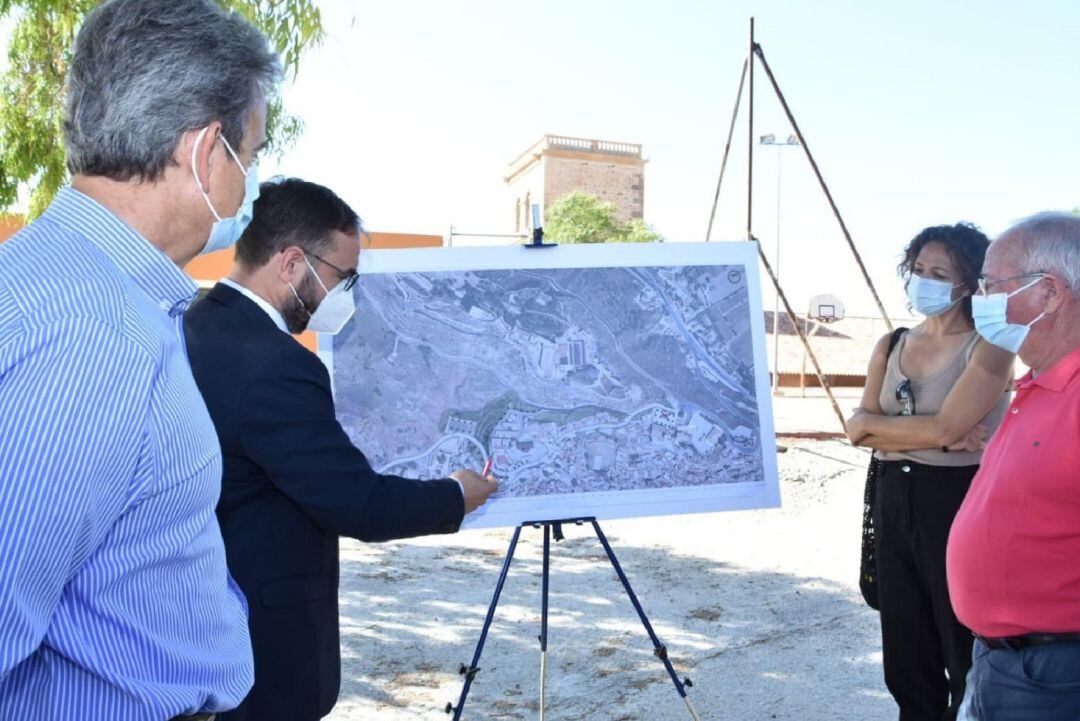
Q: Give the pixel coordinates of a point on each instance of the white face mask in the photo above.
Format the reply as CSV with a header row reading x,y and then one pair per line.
x,y
226,231
335,310
989,313
931,297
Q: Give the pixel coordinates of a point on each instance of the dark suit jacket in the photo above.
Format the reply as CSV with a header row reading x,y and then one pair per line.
x,y
293,483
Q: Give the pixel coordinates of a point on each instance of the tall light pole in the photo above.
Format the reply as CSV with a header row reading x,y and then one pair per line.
x,y
791,141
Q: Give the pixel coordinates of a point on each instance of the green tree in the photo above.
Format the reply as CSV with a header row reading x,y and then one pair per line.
x,y
32,90
638,231
582,218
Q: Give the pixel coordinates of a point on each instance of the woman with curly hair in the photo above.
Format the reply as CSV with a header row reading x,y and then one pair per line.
x,y
933,396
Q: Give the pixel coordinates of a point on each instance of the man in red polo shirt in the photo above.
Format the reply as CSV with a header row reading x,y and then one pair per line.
x,y
1014,550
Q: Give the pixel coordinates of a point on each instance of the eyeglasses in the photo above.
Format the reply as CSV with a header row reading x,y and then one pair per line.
x,y
905,397
985,285
350,276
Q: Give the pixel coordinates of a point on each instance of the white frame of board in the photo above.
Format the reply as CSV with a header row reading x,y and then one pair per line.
x,y
624,503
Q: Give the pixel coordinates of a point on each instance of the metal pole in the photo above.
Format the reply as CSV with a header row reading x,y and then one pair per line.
x,y
776,306
659,649
470,672
813,164
802,337
727,149
544,619
750,136
802,370
490,235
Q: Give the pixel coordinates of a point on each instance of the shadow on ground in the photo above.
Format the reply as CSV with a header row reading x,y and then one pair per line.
x,y
757,645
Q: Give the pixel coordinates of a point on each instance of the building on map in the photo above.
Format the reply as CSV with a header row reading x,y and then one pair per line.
x,y
601,453
460,425
702,434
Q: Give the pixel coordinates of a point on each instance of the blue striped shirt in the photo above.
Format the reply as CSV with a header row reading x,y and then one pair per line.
x,y
115,601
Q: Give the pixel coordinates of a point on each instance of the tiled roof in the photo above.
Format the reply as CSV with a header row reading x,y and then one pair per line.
x,y
842,348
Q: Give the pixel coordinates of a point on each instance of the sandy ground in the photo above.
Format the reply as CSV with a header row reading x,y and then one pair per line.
x,y
759,608
811,413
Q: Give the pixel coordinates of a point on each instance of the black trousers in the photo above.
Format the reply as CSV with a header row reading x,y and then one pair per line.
x,y
926,650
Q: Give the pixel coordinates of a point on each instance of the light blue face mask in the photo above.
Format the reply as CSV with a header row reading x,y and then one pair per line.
x,y
989,312
931,297
227,231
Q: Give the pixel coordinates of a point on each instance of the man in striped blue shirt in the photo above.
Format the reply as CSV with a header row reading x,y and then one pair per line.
x,y
115,600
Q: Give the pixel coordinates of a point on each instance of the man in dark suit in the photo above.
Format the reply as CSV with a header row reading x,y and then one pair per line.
x,y
293,482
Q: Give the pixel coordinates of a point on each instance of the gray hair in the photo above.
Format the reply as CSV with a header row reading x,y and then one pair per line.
x,y
1049,242
144,72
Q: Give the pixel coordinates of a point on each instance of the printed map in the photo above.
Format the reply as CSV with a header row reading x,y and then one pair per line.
x,y
574,380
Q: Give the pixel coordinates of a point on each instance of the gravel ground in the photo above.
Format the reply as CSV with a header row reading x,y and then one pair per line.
x,y
759,608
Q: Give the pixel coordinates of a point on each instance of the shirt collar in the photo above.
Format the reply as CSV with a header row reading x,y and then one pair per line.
x,y
271,311
154,273
1058,375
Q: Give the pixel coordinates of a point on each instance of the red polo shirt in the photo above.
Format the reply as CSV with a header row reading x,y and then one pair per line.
x,y
1014,550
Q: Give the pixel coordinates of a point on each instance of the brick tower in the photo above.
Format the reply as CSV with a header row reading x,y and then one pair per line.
x,y
556,165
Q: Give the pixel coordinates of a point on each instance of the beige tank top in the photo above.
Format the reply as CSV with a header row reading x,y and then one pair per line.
x,y
929,393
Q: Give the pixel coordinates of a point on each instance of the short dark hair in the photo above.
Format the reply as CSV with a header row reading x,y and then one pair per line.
x,y
964,243
291,211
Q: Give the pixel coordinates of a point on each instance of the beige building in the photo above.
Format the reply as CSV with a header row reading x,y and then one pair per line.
x,y
556,165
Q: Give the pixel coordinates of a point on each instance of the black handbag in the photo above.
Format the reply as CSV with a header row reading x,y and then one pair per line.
x,y
868,563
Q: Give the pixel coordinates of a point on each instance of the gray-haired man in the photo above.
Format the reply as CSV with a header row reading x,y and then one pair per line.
x,y
115,600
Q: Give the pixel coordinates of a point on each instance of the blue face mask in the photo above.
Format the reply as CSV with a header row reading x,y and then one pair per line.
x,y
930,297
989,313
227,231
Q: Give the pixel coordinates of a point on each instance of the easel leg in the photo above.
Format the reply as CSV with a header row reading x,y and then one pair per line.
x,y
470,672
658,648
544,618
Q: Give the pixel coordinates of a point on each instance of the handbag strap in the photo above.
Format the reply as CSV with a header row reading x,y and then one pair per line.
x,y
894,339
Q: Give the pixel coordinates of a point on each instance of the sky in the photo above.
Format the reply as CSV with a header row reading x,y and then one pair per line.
x,y
918,113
